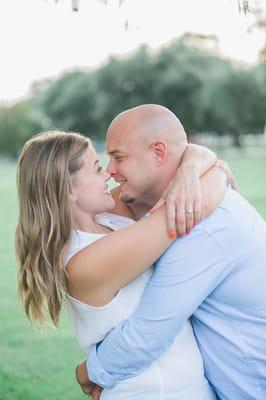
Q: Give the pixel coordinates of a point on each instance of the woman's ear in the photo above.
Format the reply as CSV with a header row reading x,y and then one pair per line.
x,y
72,197
159,149
72,193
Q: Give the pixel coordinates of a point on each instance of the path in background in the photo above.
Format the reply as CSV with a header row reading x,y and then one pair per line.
x,y
37,366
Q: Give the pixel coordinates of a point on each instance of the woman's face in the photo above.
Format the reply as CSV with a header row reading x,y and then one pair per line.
x,y
89,189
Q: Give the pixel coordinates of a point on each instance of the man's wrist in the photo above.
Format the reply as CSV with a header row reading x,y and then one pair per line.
x,y
96,371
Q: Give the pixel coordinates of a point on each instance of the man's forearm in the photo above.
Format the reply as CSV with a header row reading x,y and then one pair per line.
x,y
179,284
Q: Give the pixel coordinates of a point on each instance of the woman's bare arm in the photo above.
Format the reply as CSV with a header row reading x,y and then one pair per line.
x,y
99,270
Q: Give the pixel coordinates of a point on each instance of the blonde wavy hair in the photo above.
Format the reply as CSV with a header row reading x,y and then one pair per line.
x,y
44,226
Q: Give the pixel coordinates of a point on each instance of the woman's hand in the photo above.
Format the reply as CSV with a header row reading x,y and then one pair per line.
x,y
183,197
183,194
183,200
87,386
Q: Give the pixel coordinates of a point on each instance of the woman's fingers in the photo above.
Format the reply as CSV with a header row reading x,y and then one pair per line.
x,y
197,209
171,216
189,216
180,220
183,204
159,204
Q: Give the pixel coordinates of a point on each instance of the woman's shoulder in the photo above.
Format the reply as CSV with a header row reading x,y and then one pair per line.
x,y
114,221
79,240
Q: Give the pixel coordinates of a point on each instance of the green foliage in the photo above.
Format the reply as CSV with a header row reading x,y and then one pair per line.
x,y
17,123
206,92
236,103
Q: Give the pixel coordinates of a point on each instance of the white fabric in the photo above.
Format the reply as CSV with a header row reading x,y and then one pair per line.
x,y
177,375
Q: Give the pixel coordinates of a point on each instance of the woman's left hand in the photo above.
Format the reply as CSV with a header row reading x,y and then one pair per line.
x,y
87,386
183,200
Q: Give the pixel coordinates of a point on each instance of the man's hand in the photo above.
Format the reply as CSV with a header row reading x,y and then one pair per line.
x,y
183,200
87,386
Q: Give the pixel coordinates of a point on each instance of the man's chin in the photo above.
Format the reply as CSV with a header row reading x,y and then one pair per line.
x,y
126,198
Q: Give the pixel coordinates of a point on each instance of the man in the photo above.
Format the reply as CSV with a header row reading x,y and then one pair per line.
x,y
215,275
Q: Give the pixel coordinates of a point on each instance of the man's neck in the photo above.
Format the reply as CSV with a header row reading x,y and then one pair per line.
x,y
138,210
135,210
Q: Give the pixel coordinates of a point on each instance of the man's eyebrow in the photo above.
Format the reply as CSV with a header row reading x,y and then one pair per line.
x,y
115,152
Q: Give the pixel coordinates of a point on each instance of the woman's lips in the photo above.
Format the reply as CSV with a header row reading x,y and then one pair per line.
x,y
107,190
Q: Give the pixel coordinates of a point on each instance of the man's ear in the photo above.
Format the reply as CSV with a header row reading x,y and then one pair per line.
x,y
160,150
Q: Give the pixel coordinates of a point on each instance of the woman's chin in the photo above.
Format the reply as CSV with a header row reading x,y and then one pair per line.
x,y
111,205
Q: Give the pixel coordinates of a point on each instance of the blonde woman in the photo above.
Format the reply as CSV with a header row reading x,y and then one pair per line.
x,y
70,247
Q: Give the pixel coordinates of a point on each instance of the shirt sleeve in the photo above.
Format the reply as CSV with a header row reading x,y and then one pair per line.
x,y
184,276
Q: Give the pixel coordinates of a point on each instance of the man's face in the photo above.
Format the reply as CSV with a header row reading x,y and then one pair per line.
x,y
131,165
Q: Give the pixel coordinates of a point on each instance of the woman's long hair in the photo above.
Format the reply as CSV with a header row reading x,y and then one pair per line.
x,y
44,226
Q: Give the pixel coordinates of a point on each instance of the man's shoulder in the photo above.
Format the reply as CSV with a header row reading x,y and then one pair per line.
x,y
226,231
235,217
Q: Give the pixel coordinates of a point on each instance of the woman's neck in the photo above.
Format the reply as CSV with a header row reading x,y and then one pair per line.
x,y
88,223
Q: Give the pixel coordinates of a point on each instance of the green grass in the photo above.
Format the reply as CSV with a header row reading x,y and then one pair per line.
x,y
39,366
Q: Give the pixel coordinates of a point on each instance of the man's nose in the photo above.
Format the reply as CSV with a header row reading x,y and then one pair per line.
x,y
111,168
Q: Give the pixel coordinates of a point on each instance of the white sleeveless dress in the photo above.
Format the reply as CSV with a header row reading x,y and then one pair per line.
x,y
177,375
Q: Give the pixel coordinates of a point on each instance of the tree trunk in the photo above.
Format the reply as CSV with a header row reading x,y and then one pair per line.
x,y
236,135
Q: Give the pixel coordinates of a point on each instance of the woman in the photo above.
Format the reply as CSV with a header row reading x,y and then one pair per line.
x,y
67,242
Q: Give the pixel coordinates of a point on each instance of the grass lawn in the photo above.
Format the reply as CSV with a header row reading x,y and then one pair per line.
x,y
39,366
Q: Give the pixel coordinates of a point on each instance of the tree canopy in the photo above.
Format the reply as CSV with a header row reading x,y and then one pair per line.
x,y
206,92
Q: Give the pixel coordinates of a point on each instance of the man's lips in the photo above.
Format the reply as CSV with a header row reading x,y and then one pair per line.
x,y
121,182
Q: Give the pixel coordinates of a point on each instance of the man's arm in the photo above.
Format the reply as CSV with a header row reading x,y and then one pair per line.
x,y
184,276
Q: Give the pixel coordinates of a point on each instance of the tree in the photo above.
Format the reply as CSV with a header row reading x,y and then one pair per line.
x,y
206,92
17,124
73,103
237,104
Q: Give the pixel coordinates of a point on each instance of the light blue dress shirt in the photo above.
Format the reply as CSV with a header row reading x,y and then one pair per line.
x,y
217,275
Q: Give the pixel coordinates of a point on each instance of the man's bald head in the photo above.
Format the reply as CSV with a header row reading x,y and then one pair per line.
x,y
150,122
145,145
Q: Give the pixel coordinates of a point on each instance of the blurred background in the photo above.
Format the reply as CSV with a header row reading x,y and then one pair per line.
x,y
74,65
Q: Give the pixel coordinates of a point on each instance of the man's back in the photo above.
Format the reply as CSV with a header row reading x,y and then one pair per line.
x,y
218,274
230,324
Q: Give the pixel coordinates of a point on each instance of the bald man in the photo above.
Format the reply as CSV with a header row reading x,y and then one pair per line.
x,y
146,145
216,275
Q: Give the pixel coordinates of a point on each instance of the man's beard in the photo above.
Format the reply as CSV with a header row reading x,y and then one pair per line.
x,y
126,198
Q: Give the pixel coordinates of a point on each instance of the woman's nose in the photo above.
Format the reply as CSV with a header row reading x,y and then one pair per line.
x,y
107,175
